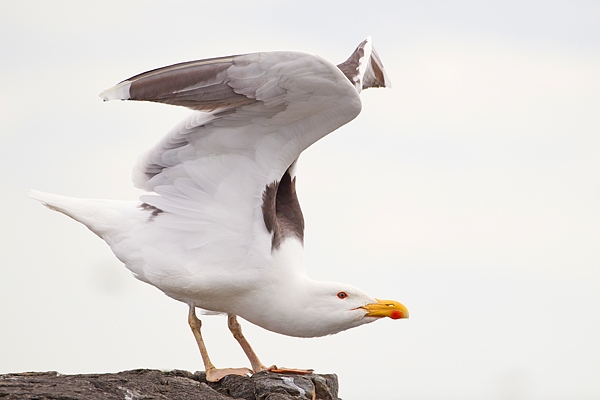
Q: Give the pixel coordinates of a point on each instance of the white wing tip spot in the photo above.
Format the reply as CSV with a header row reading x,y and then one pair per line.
x,y
118,92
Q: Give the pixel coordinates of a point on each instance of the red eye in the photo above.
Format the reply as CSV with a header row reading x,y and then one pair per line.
x,y
342,295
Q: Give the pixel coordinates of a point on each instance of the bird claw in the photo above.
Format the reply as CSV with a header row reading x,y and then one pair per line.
x,y
284,370
216,374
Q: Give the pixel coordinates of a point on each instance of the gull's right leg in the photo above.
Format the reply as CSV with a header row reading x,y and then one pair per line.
x,y
236,330
212,374
257,366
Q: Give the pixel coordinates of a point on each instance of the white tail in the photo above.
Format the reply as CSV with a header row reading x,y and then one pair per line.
x,y
100,216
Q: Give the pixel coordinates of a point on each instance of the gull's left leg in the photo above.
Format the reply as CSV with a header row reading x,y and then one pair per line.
x,y
212,374
257,366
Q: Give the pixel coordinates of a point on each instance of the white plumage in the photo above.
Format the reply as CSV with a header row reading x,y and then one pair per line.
x,y
221,228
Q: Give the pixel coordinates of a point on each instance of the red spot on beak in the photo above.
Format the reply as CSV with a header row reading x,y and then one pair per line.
x,y
396,314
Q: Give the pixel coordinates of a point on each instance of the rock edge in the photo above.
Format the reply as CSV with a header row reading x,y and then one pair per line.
x,y
176,384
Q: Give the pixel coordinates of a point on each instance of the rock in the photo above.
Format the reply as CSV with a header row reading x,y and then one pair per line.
x,y
153,384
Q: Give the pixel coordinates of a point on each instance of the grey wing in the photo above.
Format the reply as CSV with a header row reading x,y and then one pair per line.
x,y
214,174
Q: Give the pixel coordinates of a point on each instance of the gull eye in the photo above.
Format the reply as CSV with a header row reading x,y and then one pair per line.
x,y
342,295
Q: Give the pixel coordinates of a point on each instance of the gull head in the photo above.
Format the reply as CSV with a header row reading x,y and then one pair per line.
x,y
343,306
311,308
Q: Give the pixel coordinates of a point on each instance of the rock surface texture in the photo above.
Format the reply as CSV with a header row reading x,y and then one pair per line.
x,y
152,384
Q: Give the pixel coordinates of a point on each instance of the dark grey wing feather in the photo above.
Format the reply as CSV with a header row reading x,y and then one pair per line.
x,y
281,210
200,85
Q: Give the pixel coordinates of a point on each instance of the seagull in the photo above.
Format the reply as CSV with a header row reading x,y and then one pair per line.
x,y
220,228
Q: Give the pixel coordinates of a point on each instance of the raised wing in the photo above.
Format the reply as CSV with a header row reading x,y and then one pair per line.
x,y
216,175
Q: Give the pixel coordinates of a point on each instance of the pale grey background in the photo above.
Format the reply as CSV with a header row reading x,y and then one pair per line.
x,y
470,191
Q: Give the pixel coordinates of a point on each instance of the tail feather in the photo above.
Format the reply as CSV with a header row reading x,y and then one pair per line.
x,y
100,216
62,204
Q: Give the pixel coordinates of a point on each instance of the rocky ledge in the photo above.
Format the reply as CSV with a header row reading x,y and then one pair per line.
x,y
153,384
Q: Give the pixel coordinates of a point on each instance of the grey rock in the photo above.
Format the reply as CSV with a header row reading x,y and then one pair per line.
x,y
144,384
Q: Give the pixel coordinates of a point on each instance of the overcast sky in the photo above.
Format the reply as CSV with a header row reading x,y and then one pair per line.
x,y
470,191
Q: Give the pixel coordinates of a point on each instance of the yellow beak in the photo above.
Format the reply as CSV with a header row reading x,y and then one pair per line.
x,y
386,308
